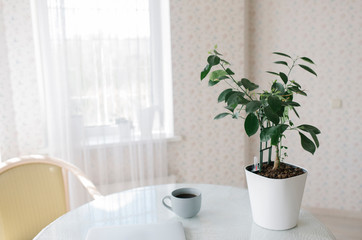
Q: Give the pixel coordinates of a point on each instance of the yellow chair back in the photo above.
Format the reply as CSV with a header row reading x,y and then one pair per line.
x,y
34,192
31,196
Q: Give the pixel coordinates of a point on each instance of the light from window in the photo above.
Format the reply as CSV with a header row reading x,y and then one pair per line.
x,y
113,53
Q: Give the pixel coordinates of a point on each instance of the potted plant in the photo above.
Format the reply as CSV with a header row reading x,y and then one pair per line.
x,y
275,188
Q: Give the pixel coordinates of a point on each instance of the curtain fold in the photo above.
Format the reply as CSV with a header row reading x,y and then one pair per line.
x,y
103,112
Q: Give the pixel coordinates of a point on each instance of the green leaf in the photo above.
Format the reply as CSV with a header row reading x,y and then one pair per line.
x,y
307,144
272,132
283,77
223,94
265,134
264,98
223,77
291,103
275,103
213,83
224,61
275,139
295,83
294,88
295,111
231,93
228,70
307,69
271,115
242,100
217,53
314,136
249,85
282,128
308,128
251,124
252,106
217,74
282,112
227,95
301,93
232,99
297,90
282,62
231,108
282,54
278,87
236,98
221,115
274,73
205,71
213,60
307,60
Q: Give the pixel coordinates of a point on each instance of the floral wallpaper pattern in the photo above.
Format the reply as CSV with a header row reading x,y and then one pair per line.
x,y
8,138
212,151
23,131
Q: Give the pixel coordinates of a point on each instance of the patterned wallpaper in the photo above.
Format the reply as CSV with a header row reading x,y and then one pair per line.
x,y
20,82
212,151
8,137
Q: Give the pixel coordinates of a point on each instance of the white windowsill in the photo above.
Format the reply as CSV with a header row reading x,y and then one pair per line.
x,y
111,142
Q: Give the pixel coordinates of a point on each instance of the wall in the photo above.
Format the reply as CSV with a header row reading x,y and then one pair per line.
x,y
330,33
7,130
212,151
20,82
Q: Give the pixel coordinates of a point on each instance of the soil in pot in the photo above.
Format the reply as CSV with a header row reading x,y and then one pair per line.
x,y
284,171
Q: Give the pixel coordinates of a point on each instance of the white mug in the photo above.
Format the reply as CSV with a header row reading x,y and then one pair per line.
x,y
185,202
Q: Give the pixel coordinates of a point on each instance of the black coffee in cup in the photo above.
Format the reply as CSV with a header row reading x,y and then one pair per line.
x,y
185,195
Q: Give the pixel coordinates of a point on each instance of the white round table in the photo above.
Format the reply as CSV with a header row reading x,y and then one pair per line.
x,y
225,215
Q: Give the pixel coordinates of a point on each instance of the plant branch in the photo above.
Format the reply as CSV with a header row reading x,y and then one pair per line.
x,y
237,83
230,84
290,69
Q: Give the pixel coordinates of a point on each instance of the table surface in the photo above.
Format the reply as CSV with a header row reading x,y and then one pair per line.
x,y
225,214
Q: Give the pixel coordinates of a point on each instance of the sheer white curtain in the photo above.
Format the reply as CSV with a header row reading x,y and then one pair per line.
x,y
104,94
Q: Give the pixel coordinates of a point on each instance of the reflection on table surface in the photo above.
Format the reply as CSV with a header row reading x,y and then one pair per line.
x,y
225,214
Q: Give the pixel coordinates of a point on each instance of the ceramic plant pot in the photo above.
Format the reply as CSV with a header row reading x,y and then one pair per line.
x,y
275,203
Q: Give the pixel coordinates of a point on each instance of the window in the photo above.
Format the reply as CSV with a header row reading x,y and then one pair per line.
x,y
113,56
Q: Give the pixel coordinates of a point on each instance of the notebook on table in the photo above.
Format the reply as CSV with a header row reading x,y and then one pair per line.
x,y
155,231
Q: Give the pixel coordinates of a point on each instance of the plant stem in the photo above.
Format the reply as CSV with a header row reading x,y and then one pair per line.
x,y
277,159
260,156
240,110
230,84
237,83
290,69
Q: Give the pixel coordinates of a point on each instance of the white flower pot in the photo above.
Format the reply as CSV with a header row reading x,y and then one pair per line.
x,y
275,203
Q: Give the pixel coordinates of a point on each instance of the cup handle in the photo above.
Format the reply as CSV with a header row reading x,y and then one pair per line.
x,y
164,203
